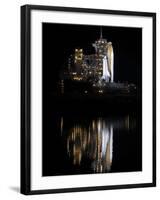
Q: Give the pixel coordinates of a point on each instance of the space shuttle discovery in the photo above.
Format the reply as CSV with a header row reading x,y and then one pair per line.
x,y
108,71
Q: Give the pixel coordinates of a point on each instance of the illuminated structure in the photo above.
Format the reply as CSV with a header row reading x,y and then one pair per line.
x,y
98,66
96,71
78,56
104,50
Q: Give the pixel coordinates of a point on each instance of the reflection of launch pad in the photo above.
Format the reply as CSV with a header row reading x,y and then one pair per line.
x,y
94,141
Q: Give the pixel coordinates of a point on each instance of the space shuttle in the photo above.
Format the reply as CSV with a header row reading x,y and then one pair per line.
x,y
108,71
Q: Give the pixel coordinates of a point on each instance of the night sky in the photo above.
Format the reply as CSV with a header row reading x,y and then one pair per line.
x,y
60,40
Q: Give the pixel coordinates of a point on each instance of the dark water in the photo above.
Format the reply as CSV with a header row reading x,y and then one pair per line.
x,y
74,143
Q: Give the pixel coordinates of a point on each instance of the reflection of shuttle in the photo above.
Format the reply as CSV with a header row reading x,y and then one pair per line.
x,y
90,144
109,150
104,154
95,142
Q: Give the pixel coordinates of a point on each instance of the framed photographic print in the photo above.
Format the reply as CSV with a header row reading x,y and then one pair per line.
x,y
88,99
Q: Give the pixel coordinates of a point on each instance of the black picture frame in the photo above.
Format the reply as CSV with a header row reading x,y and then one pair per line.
x,y
26,98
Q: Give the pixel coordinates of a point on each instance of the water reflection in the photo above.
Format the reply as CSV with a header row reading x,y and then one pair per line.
x,y
93,141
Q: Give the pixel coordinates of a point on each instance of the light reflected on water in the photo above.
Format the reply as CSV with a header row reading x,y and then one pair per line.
x,y
94,141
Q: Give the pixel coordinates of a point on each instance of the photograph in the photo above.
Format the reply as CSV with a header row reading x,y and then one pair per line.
x,y
92,99
88,92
